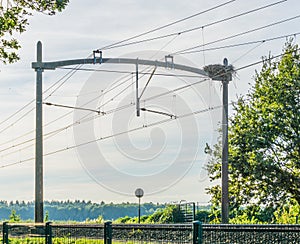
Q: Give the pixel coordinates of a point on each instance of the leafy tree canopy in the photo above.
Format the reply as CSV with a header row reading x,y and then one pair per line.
x,y
14,19
264,139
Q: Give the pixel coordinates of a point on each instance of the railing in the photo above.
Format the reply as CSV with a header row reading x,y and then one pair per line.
x,y
266,234
109,233
158,233
13,232
73,233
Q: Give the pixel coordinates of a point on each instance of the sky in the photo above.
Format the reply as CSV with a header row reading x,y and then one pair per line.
x,y
106,156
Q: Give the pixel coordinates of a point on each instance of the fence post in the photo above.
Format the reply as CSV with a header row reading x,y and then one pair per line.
x,y
107,233
194,211
5,232
48,235
197,232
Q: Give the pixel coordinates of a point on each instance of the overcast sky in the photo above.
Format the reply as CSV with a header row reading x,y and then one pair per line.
x,y
163,155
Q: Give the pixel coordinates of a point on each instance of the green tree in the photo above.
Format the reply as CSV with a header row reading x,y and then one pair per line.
x,y
14,217
46,219
264,139
14,19
288,213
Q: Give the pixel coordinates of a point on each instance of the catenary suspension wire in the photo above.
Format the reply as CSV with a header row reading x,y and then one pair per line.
x,y
159,28
165,26
196,51
118,134
188,50
219,21
246,43
67,76
145,34
129,78
198,27
255,41
246,53
126,106
73,70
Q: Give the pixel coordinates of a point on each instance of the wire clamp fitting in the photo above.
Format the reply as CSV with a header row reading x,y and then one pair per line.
x,y
169,62
97,55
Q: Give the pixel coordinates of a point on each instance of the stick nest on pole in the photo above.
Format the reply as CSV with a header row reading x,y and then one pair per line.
x,y
219,72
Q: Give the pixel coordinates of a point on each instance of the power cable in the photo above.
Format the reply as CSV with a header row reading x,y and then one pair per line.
x,y
73,70
68,75
143,109
131,73
145,34
172,118
198,27
235,16
245,54
165,26
187,50
150,98
183,87
246,43
118,85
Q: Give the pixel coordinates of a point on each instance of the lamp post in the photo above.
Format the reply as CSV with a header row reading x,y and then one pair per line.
x,y
139,193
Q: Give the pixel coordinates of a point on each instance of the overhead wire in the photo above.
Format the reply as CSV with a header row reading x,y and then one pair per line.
x,y
116,85
198,27
131,72
247,53
47,124
261,41
162,27
265,40
78,69
155,123
147,32
19,119
73,70
247,43
188,50
110,136
165,26
63,116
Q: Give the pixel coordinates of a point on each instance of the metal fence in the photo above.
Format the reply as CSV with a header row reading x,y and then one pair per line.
x,y
156,233
108,233
246,234
23,233
82,233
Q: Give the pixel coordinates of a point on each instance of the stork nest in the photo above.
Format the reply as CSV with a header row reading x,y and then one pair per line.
x,y
219,72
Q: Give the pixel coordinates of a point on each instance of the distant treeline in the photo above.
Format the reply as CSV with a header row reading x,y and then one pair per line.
x,y
77,210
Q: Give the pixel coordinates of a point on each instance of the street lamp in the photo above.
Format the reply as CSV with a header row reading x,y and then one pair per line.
x,y
139,193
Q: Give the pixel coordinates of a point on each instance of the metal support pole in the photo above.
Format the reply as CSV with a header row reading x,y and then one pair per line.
x,y
194,211
39,208
225,201
139,210
138,111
